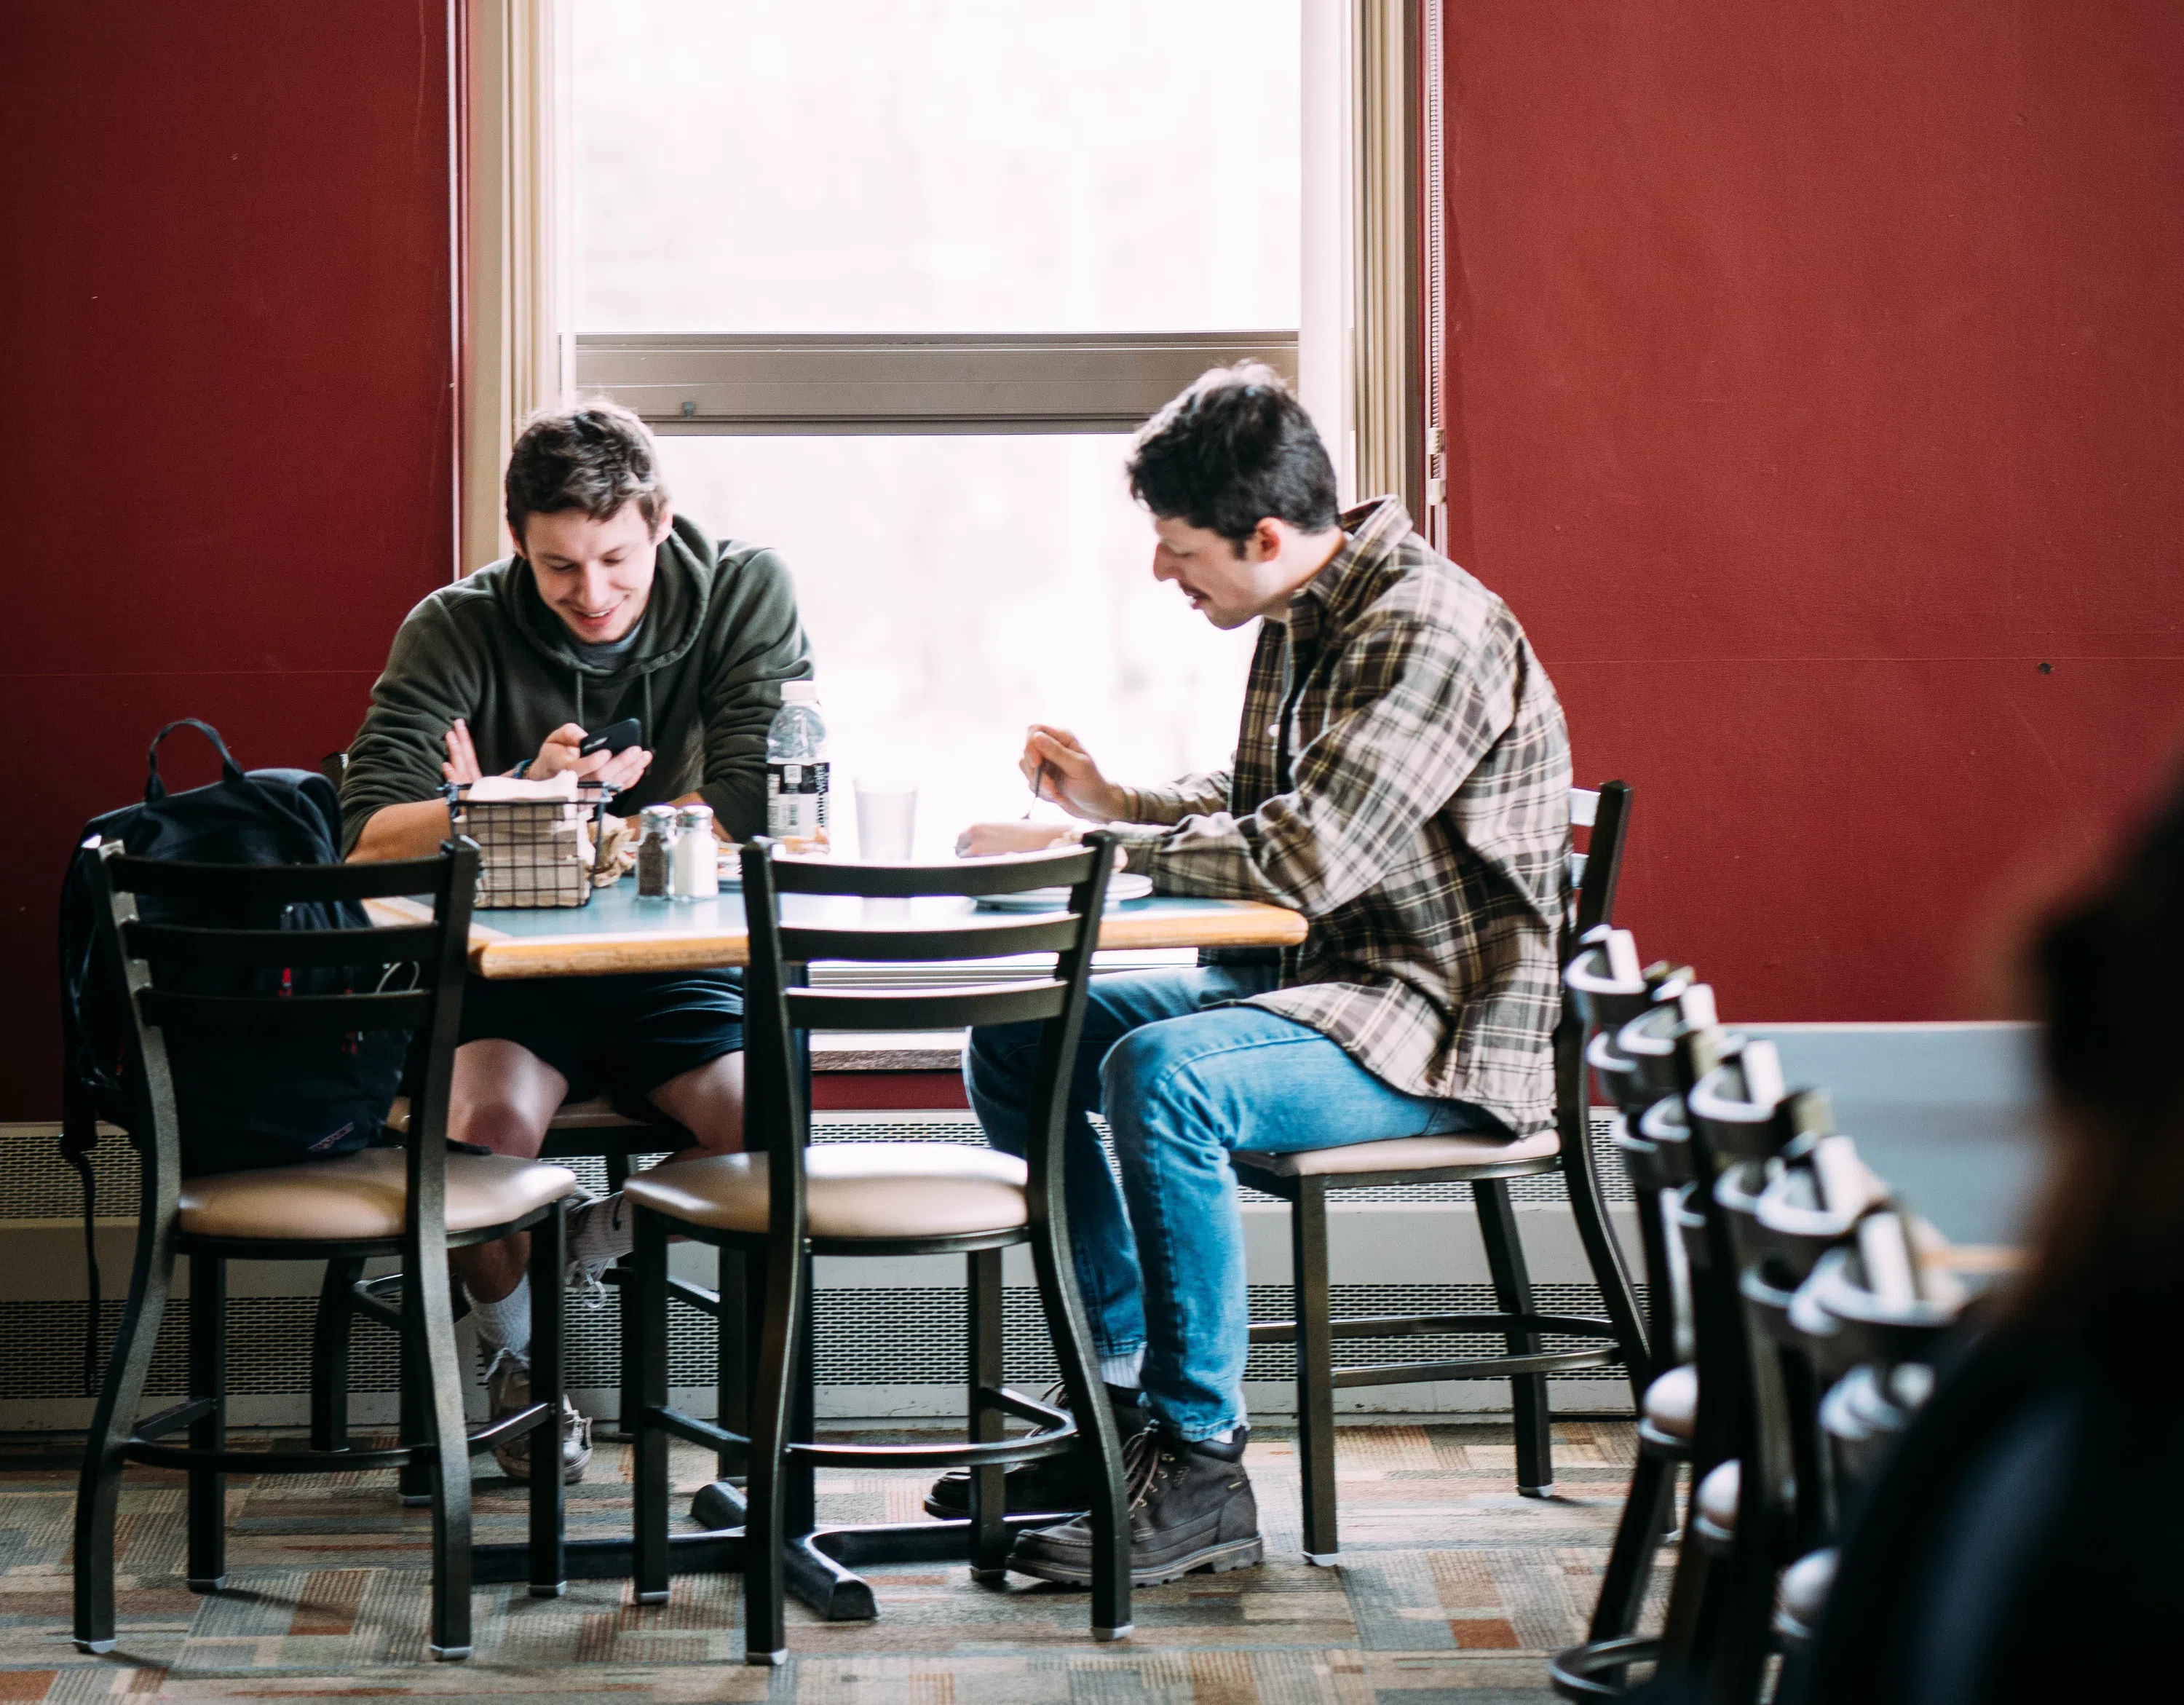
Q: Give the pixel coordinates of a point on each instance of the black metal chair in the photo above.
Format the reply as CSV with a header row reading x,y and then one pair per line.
x,y
1305,1178
1812,1206
416,1202
1611,992
1748,1120
1684,1413
772,1211
579,1130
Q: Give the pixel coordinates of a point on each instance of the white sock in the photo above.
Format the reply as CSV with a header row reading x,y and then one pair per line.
x,y
504,1326
604,1233
1124,1370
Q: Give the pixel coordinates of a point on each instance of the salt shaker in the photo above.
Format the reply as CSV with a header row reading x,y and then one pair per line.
x,y
655,853
696,855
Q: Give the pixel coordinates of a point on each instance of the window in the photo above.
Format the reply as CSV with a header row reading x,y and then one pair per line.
x,y
893,278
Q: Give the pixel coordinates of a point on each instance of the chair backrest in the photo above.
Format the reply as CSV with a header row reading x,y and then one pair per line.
x,y
435,953
779,1012
1605,814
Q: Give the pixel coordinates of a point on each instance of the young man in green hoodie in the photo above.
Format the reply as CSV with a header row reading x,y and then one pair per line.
x,y
611,607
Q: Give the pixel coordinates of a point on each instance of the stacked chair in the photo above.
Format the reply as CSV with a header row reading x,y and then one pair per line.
x,y
1796,1310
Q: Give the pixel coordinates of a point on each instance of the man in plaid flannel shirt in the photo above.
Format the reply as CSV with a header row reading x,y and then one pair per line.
x,y
1402,778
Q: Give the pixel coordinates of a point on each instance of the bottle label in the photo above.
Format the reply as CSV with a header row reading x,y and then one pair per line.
x,y
796,801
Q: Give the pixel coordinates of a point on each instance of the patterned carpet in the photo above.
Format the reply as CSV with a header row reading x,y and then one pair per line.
x,y
1450,1591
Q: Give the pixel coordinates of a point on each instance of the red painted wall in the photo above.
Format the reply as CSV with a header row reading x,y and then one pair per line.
x,y
224,329
1817,369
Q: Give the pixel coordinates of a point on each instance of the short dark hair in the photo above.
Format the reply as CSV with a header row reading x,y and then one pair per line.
x,y
595,456
1234,449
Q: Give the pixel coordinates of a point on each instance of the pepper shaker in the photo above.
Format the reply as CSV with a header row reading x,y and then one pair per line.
x,y
655,854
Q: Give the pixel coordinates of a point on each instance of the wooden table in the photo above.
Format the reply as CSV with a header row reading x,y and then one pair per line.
x,y
618,932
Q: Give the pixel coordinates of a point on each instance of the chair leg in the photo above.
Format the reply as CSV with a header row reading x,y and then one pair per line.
x,y
207,1570
330,1342
990,1534
1513,1295
768,1516
414,1478
644,1389
1637,1539
800,1480
1066,1321
432,1369
1315,1368
98,1483
731,1378
550,1574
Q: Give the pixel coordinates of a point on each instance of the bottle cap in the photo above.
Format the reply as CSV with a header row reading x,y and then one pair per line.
x,y
695,817
800,691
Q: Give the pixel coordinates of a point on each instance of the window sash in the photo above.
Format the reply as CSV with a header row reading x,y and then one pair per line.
x,y
799,385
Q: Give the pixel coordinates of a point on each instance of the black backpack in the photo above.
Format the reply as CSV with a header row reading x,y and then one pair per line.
x,y
239,1102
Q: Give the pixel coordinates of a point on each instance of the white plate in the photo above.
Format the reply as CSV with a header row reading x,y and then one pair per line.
x,y
1121,886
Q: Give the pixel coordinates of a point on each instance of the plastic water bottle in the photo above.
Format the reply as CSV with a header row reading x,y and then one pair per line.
x,y
796,769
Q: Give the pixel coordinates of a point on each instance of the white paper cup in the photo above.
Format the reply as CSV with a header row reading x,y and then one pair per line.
x,y
886,820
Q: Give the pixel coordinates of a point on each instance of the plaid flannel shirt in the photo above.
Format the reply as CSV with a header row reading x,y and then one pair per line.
x,y
1423,827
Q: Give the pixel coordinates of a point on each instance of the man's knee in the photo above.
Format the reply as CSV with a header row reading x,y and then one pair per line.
x,y
1148,1078
503,1124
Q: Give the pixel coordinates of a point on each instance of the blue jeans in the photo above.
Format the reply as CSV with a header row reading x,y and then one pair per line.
x,y
1184,1082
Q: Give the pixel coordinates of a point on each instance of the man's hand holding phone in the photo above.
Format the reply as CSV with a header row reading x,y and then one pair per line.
x,y
564,749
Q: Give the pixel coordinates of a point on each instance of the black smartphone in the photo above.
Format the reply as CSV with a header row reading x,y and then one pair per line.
x,y
615,736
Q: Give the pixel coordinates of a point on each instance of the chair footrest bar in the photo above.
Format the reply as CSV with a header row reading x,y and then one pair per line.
x,y
508,1427
1002,1453
172,1420
682,1290
371,1304
1439,1325
273,1462
1043,1416
1579,1672
692,1430
1478,1367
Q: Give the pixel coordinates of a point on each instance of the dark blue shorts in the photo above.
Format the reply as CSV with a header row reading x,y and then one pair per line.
x,y
618,1036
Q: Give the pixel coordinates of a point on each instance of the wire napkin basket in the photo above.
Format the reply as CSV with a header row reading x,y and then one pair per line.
x,y
533,853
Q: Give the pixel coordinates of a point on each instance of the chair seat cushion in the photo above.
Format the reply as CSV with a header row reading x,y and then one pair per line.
x,y
1717,1495
596,1114
1405,1154
1672,1402
362,1197
852,1189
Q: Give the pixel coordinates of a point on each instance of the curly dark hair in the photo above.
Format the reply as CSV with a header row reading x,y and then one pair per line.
x,y
595,456
1235,449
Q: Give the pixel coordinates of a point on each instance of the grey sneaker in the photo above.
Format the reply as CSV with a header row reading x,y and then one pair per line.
x,y
508,1389
604,1221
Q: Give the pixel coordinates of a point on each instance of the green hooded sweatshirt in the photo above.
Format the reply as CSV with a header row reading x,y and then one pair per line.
x,y
719,635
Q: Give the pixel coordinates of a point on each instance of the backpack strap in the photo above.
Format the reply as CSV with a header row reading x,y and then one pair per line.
x,y
154,789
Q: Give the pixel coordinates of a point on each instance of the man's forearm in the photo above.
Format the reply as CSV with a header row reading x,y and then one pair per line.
x,y
411,830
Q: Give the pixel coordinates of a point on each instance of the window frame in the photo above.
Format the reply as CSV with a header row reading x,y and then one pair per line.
x,y
1366,358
